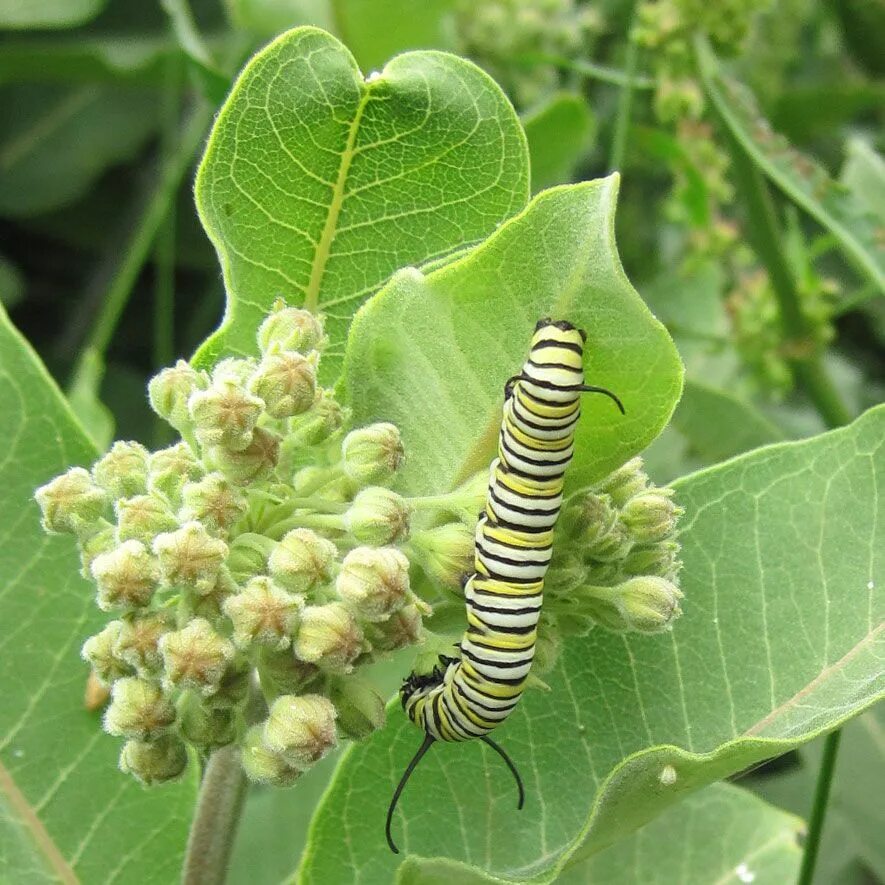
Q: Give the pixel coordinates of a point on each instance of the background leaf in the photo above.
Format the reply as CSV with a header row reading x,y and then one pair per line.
x,y
781,640
317,184
67,812
48,13
421,352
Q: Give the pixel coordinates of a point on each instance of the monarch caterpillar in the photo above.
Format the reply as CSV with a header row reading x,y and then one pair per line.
x,y
475,693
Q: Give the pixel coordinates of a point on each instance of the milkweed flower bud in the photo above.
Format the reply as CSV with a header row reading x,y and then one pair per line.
x,y
71,502
548,647
195,657
589,516
209,605
143,517
169,469
214,502
651,516
648,604
317,425
403,628
372,455
154,762
286,382
190,557
138,709
374,581
302,560
612,546
102,539
225,415
301,729
446,553
378,517
123,471
170,390
252,463
234,685
138,642
262,765
127,576
263,613
233,370
660,559
248,556
100,651
360,708
207,727
329,636
290,328
625,482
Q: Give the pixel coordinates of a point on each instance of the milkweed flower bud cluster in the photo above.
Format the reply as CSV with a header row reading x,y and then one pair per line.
x,y
251,570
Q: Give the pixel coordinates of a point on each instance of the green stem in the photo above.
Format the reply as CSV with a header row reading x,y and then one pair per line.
x,y
625,102
588,69
866,293
219,805
305,521
138,248
765,236
819,811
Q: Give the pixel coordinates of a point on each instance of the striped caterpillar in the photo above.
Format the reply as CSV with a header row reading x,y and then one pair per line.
x,y
475,693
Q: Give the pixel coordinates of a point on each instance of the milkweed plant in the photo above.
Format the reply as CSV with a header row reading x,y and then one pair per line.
x,y
284,516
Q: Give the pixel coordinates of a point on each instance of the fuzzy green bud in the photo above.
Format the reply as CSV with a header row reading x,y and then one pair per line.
x,y
262,765
154,762
251,464
290,328
567,571
360,707
143,517
286,382
225,415
209,605
263,613
127,576
71,502
234,370
329,636
301,729
248,556
372,455
123,471
213,501
317,425
588,516
138,710
170,390
625,482
651,515
660,559
169,469
234,685
548,647
611,547
302,560
195,656
102,539
378,517
648,604
374,581
101,652
138,642
403,628
283,673
190,557
207,727
446,553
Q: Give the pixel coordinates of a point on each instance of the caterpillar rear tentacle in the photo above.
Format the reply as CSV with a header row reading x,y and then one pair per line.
x,y
475,693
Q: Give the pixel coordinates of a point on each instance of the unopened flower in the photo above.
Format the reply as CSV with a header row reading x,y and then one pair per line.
x,y
612,546
233,370
286,383
648,604
628,480
262,765
138,642
264,613
123,471
213,501
660,559
317,425
127,576
651,515
170,390
195,656
330,636
403,628
290,328
360,707
138,709
169,469
247,557
225,415
156,761
207,727
101,652
588,516
71,501
102,538
302,560
190,557
378,517
372,455
301,729
250,464
374,581
143,517
446,553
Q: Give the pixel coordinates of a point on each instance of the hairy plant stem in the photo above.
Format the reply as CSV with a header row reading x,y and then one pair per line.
x,y
819,810
219,804
625,101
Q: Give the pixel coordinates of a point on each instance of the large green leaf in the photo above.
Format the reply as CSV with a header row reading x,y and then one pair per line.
x,y
431,352
803,180
317,183
721,834
781,640
48,13
66,812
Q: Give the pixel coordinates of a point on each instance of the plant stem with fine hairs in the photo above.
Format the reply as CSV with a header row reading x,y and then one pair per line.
x,y
819,811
